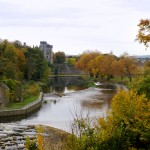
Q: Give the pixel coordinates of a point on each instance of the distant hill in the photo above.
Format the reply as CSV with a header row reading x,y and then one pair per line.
x,y
142,56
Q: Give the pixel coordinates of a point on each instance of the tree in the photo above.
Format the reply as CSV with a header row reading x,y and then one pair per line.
x,y
12,61
127,126
117,69
36,67
106,65
85,59
71,61
17,44
59,57
143,35
128,65
142,84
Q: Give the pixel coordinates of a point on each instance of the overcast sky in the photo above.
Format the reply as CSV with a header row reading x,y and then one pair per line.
x,y
74,26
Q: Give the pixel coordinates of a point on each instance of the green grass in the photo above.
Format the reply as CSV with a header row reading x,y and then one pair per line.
x,y
124,81
23,103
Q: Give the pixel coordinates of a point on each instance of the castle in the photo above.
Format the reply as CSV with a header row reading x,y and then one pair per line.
x,y
47,51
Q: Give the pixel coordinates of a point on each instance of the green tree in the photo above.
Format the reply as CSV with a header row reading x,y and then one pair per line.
x,y
142,83
71,61
36,67
59,57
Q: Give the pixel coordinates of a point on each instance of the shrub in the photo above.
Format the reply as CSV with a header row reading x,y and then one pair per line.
x,y
127,125
31,144
31,89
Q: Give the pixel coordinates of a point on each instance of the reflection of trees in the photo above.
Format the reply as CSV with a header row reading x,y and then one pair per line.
x,y
92,104
100,101
73,87
58,84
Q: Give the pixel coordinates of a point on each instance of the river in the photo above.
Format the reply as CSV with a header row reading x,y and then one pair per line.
x,y
59,112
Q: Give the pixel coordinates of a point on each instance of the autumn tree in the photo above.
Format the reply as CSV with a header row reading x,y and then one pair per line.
x,y
85,59
117,69
12,61
93,66
106,65
128,65
127,125
143,35
59,58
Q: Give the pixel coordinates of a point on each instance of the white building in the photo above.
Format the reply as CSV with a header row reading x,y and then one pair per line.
x,y
47,51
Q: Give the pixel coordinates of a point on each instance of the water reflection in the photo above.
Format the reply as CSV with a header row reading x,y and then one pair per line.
x,y
64,84
59,111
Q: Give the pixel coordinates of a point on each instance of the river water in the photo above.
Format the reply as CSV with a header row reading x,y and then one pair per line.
x,y
59,112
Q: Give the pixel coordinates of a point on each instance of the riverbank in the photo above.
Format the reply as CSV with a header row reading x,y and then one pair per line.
x,y
25,111
17,136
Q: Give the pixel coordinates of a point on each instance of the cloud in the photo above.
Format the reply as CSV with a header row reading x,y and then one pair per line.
x,y
74,24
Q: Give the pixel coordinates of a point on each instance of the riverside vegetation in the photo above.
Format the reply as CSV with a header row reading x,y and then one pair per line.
x,y
127,125
23,69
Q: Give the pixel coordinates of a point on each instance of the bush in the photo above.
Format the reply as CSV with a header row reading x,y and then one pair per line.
x,y
141,85
31,144
126,127
31,89
88,82
84,135
15,89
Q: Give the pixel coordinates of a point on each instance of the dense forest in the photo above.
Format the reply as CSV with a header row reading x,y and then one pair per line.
x,y
20,67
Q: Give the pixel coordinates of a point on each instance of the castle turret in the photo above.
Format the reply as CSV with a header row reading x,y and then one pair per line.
x,y
47,51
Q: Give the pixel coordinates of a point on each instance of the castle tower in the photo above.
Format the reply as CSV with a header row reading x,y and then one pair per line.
x,y
47,51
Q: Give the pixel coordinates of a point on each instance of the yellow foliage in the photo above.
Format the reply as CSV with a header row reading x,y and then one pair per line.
x,y
40,138
34,89
143,35
130,116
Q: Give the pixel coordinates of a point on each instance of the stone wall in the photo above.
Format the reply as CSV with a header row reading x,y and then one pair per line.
x,y
65,69
4,95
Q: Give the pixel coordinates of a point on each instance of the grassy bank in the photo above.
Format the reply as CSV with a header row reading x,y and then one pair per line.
x,y
124,81
25,102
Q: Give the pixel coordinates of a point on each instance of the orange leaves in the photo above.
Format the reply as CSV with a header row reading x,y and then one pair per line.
x,y
107,65
96,63
143,35
85,59
13,61
21,60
